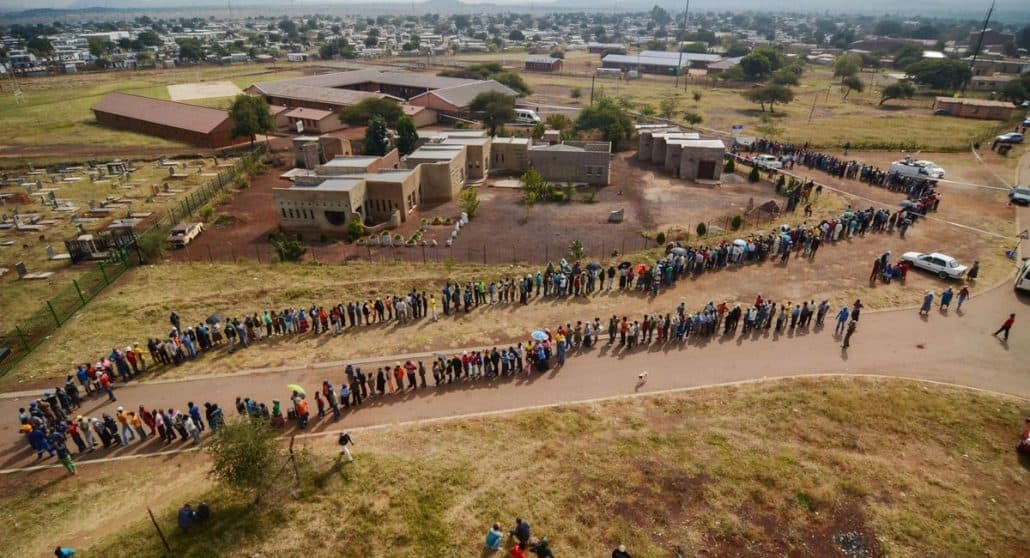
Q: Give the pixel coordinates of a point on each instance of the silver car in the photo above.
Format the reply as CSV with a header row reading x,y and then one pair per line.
x,y
944,266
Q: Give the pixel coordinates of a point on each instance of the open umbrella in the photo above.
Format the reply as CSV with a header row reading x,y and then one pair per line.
x,y
625,265
214,319
740,242
679,250
539,335
594,265
296,388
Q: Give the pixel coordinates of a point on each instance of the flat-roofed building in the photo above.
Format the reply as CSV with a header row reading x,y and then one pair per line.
x,y
442,170
573,161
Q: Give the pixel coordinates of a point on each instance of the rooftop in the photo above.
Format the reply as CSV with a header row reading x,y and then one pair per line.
x,y
166,113
435,153
462,95
335,184
290,89
308,113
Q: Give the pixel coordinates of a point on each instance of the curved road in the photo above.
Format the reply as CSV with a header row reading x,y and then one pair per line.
x,y
952,347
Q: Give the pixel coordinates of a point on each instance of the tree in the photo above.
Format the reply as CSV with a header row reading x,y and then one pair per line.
x,y
576,93
906,55
943,73
753,176
646,110
755,66
407,135
190,49
538,131
494,109
149,38
887,28
770,94
785,76
1023,37
1017,90
99,46
667,106
244,454
376,140
692,117
361,113
355,229
576,251
609,118
846,65
696,95
40,46
250,117
468,201
852,83
513,81
897,90
559,121
516,35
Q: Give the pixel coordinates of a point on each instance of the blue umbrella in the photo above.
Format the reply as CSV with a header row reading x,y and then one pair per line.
x,y
538,336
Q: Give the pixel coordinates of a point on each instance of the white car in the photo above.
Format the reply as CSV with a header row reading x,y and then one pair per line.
x,y
768,162
917,169
183,234
944,266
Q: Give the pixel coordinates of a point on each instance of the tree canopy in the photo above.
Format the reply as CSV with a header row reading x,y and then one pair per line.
x,y
897,90
846,65
376,140
609,118
407,135
250,116
942,73
361,113
770,94
244,454
495,108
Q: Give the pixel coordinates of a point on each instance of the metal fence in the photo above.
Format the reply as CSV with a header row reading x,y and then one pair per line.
x,y
30,332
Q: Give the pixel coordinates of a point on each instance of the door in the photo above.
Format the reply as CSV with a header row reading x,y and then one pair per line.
x,y
706,170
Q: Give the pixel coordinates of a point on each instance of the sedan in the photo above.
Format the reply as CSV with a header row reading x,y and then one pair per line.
x,y
1011,137
945,267
768,162
1020,195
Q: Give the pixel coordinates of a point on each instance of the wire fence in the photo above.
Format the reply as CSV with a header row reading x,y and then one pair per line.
x,y
32,331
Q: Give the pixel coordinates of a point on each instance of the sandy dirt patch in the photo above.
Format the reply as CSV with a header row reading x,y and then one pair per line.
x,y
204,90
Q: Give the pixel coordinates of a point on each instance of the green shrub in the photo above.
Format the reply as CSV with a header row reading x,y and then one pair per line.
x,y
754,176
355,230
576,93
241,183
589,197
660,238
152,245
701,229
736,222
730,165
206,213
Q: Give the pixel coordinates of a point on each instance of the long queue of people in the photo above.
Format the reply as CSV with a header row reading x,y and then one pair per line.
x,y
51,424
790,155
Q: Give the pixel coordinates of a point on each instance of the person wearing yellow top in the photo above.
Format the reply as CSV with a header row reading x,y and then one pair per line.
x,y
123,420
137,425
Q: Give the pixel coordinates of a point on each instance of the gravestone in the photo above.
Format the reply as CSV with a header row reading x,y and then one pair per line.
x,y
20,268
50,252
617,216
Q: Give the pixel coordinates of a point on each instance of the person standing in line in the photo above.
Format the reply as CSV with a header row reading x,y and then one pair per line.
x,y
856,308
65,457
847,335
1006,326
924,310
946,297
962,296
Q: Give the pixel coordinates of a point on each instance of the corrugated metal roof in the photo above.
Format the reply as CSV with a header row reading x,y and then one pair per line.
x,y
300,92
541,59
462,95
308,113
400,79
166,113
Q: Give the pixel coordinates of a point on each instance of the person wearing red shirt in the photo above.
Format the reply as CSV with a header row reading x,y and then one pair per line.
x,y
1005,327
518,551
105,384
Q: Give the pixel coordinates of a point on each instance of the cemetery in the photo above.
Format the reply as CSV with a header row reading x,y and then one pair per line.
x,y
55,220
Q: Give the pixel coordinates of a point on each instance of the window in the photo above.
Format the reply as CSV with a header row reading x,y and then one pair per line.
x,y
284,211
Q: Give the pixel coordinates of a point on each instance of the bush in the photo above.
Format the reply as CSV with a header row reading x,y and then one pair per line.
x,y
736,222
576,93
701,229
730,165
589,197
355,230
660,238
692,117
206,213
241,183
754,176
288,249
152,245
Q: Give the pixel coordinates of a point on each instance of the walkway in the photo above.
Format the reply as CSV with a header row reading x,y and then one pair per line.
x,y
955,348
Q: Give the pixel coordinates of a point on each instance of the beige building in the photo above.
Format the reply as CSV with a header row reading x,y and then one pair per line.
x,y
573,161
311,151
701,160
510,154
681,154
442,170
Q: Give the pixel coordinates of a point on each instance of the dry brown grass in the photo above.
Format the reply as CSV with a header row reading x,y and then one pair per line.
x,y
756,470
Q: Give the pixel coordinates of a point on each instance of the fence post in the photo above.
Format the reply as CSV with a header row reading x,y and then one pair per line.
x,y
258,252
24,340
104,273
53,313
78,290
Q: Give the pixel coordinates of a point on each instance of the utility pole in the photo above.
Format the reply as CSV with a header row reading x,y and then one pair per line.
x,y
979,45
683,29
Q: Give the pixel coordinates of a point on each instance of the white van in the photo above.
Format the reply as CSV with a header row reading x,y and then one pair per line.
x,y
1023,277
927,170
526,116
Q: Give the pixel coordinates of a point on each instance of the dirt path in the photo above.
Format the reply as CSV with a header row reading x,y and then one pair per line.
x,y
949,347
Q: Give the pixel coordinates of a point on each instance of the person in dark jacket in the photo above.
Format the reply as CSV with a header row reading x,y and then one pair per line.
x,y
186,517
521,531
620,552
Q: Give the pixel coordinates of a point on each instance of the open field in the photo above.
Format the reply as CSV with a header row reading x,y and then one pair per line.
x,y
798,467
135,193
55,110
832,122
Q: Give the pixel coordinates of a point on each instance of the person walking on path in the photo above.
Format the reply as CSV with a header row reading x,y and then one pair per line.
x,y
924,310
962,296
1006,326
946,298
65,457
344,440
847,335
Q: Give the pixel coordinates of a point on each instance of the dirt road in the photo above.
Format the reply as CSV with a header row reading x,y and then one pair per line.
x,y
953,347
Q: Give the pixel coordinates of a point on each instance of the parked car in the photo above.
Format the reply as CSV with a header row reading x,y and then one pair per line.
x,y
1011,137
1023,277
1020,195
944,266
183,234
1026,122
927,170
768,162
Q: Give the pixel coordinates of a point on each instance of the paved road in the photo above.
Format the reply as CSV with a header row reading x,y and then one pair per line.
x,y
954,348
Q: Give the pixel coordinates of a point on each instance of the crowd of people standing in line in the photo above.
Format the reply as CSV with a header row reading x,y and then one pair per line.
x,y
790,155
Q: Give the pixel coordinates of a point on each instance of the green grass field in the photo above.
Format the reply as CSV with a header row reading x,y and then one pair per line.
x,y
778,469
55,110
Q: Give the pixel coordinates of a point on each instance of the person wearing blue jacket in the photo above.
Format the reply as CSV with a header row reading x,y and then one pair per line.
x,y
494,537
37,438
